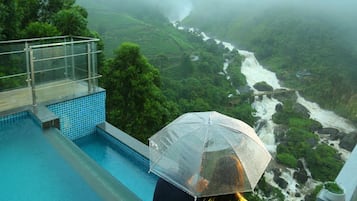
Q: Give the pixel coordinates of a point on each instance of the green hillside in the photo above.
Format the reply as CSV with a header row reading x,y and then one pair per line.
x,y
193,85
152,32
294,41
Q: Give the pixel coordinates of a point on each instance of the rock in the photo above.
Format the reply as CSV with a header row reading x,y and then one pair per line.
x,y
302,110
245,89
297,194
337,136
263,86
277,172
315,126
349,141
281,182
260,124
330,131
278,180
279,132
312,142
301,174
286,97
279,107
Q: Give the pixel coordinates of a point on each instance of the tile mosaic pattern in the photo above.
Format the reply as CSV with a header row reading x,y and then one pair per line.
x,y
79,116
12,118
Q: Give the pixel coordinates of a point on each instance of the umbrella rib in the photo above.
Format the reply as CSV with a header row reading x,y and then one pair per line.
x,y
254,136
230,143
162,155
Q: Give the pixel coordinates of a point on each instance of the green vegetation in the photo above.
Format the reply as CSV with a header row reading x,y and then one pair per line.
x,y
189,67
299,142
35,18
307,49
269,191
287,159
333,187
324,162
312,196
135,102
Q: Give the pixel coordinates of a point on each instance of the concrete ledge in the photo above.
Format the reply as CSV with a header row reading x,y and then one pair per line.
x,y
45,118
126,139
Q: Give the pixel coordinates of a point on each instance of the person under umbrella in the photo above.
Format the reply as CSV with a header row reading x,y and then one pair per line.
x,y
165,191
189,151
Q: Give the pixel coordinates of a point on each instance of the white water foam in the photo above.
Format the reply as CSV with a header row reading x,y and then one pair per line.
x,y
325,117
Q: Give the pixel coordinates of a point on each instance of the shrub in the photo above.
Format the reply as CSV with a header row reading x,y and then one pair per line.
x,y
287,159
333,187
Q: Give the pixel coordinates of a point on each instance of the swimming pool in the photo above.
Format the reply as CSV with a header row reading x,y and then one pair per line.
x,y
44,165
129,167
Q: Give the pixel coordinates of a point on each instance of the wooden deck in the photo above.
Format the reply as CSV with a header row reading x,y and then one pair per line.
x,y
45,93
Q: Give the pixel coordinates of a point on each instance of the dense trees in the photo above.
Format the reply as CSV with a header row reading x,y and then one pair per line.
x,y
36,18
135,102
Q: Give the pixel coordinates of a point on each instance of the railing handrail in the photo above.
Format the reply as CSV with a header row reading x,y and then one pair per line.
x,y
33,39
47,38
63,43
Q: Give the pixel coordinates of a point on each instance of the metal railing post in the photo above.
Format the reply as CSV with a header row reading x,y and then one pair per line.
x,y
28,80
73,65
89,68
65,59
33,89
94,65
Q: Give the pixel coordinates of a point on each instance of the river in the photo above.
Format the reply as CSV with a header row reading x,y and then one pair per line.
x,y
265,108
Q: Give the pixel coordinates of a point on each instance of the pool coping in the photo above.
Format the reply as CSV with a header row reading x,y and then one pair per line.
x,y
126,139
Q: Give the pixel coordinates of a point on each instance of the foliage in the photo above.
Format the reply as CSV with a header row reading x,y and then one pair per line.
x,y
324,163
135,102
189,67
70,22
36,18
287,159
313,195
292,42
297,142
269,191
333,187
40,29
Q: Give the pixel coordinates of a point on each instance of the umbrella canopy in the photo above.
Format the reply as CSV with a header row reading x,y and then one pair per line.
x,y
212,147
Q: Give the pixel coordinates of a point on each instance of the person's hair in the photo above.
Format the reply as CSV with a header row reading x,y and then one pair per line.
x,y
228,172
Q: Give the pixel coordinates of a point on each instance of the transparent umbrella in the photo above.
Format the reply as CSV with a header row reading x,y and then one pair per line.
x,y
212,147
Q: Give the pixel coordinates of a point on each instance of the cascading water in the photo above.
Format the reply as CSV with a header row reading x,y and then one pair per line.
x,y
265,108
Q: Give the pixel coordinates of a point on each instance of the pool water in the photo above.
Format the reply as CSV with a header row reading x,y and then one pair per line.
x,y
32,169
129,167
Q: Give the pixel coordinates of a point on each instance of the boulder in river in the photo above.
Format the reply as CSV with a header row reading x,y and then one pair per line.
x,y
330,131
280,131
279,107
349,141
302,110
301,174
263,86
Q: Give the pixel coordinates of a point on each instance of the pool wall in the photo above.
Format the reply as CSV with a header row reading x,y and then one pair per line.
x,y
116,135
12,118
79,116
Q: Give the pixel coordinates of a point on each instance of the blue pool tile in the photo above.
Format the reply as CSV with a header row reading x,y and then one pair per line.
x,y
79,116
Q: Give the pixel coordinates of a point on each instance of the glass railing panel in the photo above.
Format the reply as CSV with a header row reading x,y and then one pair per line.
x,y
47,69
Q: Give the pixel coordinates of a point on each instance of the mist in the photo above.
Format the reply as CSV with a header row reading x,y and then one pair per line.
x,y
174,10
341,14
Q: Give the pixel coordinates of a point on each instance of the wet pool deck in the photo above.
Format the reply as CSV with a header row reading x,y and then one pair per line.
x,y
51,92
